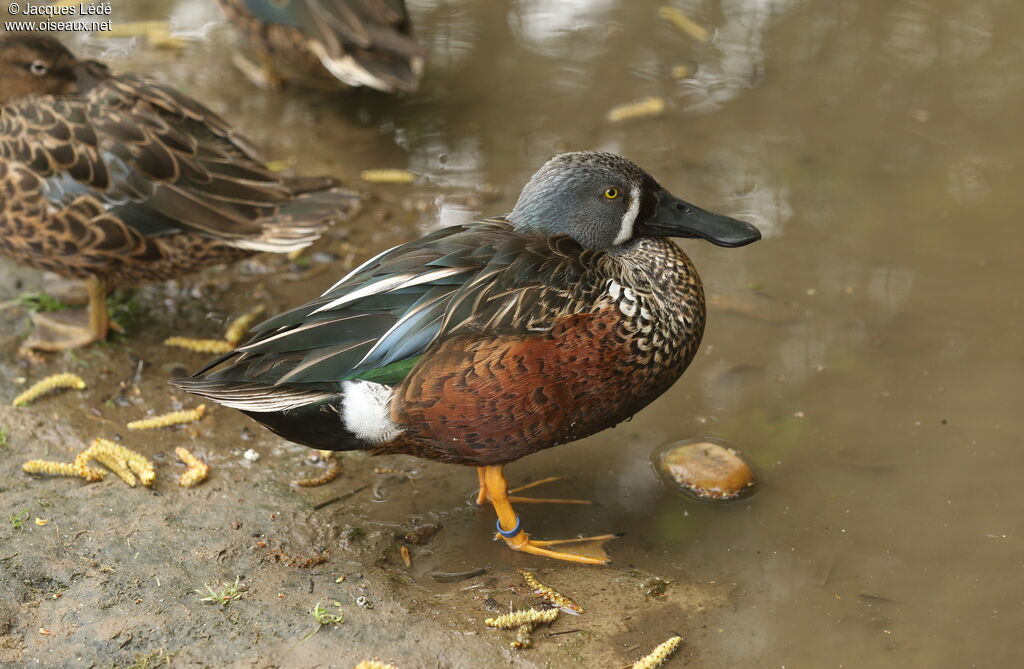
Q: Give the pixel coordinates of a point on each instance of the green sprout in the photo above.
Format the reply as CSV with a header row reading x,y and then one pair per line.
x,y
41,302
18,519
124,310
323,617
3,437
228,592
151,660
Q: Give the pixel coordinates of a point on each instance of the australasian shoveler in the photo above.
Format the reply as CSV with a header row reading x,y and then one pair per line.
x,y
481,343
116,178
331,42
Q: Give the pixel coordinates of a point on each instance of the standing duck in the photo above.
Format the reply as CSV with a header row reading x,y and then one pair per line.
x,y
348,42
481,343
116,178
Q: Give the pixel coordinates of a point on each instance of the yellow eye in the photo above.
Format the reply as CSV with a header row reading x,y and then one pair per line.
x,y
611,193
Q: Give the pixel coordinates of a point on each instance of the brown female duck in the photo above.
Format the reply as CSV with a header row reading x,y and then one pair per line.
x,y
117,178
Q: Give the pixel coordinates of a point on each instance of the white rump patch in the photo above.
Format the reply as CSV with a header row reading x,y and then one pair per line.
x,y
629,218
366,411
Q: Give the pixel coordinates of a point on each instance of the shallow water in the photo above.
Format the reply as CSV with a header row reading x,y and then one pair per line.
x,y
865,355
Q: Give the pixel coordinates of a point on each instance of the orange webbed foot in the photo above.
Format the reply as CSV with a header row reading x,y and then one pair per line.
x,y
494,489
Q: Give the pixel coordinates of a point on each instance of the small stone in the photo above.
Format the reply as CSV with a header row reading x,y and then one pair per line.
x,y
654,587
422,534
251,455
707,470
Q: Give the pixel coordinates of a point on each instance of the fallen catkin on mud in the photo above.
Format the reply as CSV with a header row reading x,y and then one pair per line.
x,y
201,345
116,464
523,639
62,469
50,383
169,419
549,593
238,327
658,656
137,462
511,621
196,472
388,176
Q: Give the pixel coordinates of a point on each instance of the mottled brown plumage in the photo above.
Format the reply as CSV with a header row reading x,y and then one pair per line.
x,y
332,43
479,400
117,178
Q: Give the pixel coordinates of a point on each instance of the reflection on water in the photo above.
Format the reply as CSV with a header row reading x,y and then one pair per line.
x,y
554,28
866,354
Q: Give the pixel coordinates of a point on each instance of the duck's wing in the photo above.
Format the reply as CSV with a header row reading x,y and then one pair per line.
x,y
361,42
133,92
155,176
375,323
76,239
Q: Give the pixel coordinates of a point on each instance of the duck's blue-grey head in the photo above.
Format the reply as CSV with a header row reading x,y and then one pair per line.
x,y
603,200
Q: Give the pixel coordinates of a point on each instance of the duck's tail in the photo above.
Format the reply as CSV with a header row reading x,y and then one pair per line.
x,y
313,417
317,203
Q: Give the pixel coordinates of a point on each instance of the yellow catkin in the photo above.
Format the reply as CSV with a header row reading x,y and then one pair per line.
x,y
116,464
388,176
639,109
52,382
76,469
280,165
238,327
334,470
549,593
200,345
685,24
511,621
169,419
681,71
659,654
136,29
523,639
137,462
374,664
163,39
196,472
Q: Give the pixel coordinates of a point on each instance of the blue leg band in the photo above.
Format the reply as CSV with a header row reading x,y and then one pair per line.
x,y
513,532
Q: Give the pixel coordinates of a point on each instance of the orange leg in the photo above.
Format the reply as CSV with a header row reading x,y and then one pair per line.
x,y
481,496
99,317
494,489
